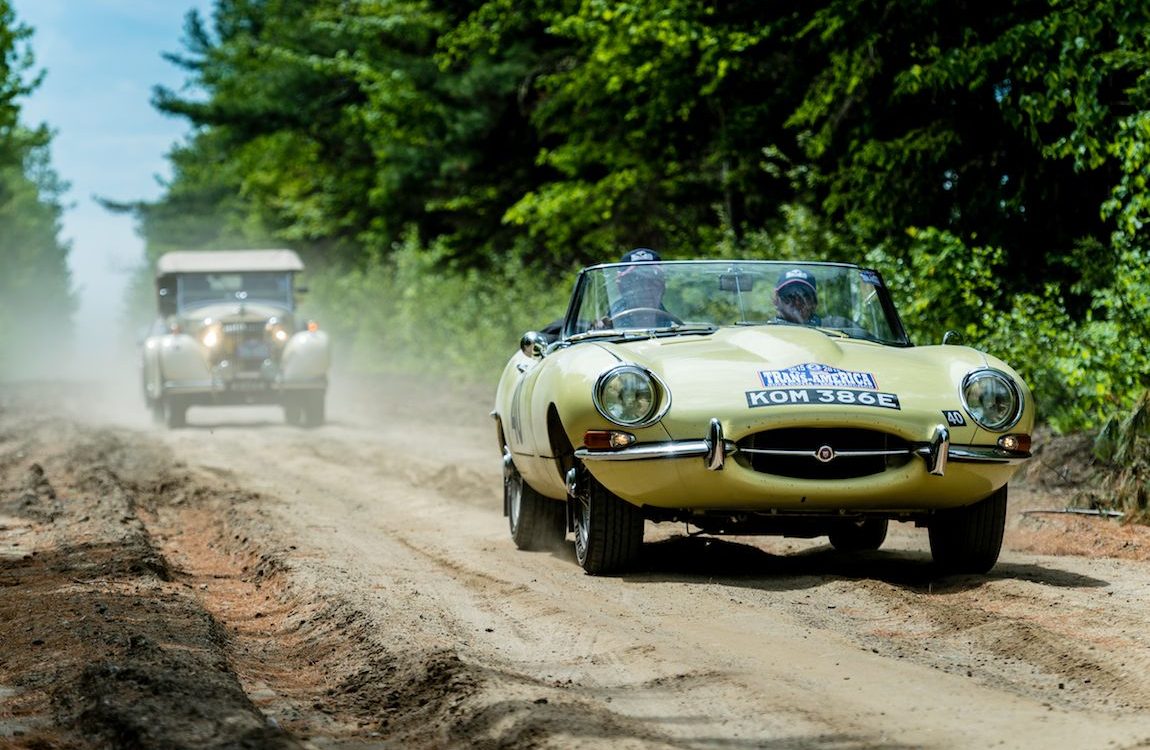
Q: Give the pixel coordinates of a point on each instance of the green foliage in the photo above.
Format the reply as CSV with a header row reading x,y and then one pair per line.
x,y
942,284
36,299
1123,448
411,311
992,165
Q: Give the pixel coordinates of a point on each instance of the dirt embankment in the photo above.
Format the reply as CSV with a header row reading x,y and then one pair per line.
x,y
246,584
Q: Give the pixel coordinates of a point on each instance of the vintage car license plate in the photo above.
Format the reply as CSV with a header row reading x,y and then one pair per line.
x,y
251,349
839,397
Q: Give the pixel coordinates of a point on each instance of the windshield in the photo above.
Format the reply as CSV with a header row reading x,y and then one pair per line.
x,y
195,289
840,300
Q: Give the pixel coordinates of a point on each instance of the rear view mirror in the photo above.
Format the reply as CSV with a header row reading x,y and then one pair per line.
x,y
533,344
735,282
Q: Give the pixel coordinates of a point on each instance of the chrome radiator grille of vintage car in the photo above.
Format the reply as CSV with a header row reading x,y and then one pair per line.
x,y
246,345
823,453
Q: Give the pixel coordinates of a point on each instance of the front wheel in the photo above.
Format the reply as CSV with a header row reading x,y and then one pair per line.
x,y
608,530
536,521
293,410
175,411
313,408
968,539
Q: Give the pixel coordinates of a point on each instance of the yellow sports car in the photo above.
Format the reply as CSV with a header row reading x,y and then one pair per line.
x,y
753,397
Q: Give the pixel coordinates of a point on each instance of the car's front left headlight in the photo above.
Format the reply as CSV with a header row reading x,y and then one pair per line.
x,y
630,395
211,334
991,399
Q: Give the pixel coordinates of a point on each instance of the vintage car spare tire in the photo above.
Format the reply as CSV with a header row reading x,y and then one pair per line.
x,y
536,521
608,530
968,539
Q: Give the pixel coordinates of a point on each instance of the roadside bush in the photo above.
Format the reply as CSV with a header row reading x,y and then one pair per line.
x,y
1082,372
1122,448
412,312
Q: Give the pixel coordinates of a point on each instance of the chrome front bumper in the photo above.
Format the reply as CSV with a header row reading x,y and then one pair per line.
x,y
715,449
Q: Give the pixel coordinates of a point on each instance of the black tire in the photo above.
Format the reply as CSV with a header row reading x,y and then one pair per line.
x,y
968,539
175,412
536,521
608,530
864,536
313,408
293,410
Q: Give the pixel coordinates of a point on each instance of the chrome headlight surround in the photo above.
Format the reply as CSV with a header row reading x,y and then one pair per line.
x,y
631,396
992,400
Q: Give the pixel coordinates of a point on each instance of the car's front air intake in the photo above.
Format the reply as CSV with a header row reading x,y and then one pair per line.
x,y
823,453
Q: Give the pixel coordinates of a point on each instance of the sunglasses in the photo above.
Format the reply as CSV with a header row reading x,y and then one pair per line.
x,y
798,295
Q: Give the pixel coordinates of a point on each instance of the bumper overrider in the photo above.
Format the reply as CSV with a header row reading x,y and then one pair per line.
x,y
715,449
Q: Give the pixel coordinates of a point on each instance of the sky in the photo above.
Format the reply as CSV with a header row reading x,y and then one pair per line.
x,y
102,59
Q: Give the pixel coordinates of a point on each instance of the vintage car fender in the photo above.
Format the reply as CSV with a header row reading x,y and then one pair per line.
x,y
306,357
150,370
182,360
526,395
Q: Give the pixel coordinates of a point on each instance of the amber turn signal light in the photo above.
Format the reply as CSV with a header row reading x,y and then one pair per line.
x,y
607,440
1015,443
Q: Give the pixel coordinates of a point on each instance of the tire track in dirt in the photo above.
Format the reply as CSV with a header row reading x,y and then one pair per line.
x,y
367,595
522,611
99,646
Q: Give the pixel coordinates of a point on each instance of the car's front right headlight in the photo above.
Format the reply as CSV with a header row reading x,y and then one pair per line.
x,y
630,395
277,331
991,399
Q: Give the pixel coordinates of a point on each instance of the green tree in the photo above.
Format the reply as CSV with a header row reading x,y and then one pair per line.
x,y
987,159
36,299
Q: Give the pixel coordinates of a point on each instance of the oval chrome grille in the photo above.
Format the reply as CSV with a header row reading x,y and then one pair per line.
x,y
823,452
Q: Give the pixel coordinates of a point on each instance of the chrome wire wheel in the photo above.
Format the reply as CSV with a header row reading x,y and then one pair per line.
x,y
608,530
513,487
535,522
582,525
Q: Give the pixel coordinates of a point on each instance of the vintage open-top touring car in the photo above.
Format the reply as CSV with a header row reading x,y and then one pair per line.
x,y
754,397
228,333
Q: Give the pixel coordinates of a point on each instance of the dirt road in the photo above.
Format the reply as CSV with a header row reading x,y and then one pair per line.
x,y
241,583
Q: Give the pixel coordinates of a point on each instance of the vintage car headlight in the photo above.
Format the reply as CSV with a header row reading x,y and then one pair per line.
x,y
211,335
630,395
277,331
991,399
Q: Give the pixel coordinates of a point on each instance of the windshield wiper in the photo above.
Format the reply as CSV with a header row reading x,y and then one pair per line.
x,y
832,332
644,333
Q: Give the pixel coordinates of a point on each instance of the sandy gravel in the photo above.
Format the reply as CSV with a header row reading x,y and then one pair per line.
x,y
244,583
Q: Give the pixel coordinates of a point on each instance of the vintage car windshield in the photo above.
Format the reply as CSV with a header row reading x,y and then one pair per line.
x,y
196,289
689,296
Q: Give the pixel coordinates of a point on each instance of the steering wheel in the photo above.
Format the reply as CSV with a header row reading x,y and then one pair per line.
x,y
631,311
